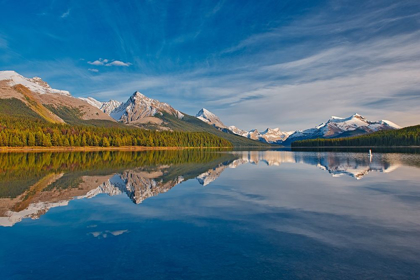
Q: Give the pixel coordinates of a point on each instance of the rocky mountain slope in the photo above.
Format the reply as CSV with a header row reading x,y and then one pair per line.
x,y
138,109
52,105
35,84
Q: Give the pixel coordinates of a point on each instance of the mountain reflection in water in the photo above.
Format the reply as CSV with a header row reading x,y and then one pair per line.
x,y
33,183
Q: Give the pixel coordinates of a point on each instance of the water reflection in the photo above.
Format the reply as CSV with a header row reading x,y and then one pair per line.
x,y
355,165
31,184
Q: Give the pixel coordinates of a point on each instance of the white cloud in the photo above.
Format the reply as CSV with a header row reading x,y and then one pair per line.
x,y
118,63
93,70
106,62
97,62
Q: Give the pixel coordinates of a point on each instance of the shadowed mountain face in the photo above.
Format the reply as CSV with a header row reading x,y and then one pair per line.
x,y
33,183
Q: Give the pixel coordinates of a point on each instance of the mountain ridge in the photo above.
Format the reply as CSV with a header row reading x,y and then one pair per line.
x,y
41,102
335,127
139,110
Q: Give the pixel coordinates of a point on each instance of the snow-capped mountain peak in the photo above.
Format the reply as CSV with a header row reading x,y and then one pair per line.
x,y
138,94
110,106
342,127
35,84
106,107
210,118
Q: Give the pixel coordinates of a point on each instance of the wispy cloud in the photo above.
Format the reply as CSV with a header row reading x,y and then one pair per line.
x,y
66,14
289,67
106,62
299,94
3,43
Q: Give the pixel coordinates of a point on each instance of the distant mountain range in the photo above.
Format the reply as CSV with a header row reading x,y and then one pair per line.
x,y
335,127
60,106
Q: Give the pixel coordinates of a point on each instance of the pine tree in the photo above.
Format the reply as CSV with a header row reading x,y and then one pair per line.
x,y
105,142
31,139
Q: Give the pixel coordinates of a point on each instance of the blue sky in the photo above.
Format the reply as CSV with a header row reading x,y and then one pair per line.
x,y
256,64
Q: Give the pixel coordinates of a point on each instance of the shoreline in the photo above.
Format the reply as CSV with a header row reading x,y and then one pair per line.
x,y
96,149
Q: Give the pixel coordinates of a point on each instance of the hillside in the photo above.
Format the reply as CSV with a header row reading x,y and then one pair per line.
x,y
408,136
22,132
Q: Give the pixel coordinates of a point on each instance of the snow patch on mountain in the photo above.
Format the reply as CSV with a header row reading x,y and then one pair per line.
x,y
35,84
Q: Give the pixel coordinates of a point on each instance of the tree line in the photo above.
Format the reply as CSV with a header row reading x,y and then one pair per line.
x,y
409,136
14,132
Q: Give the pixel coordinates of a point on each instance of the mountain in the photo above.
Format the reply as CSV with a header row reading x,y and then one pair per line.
x,y
106,107
271,136
149,113
35,84
138,109
34,98
335,127
210,118
407,136
274,135
238,131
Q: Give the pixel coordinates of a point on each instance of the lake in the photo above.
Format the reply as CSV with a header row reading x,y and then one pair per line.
x,y
210,214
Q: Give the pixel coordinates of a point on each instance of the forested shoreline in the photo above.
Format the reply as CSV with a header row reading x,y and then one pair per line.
x,y
408,136
15,132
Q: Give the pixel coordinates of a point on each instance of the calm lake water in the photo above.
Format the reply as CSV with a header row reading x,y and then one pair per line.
x,y
210,215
